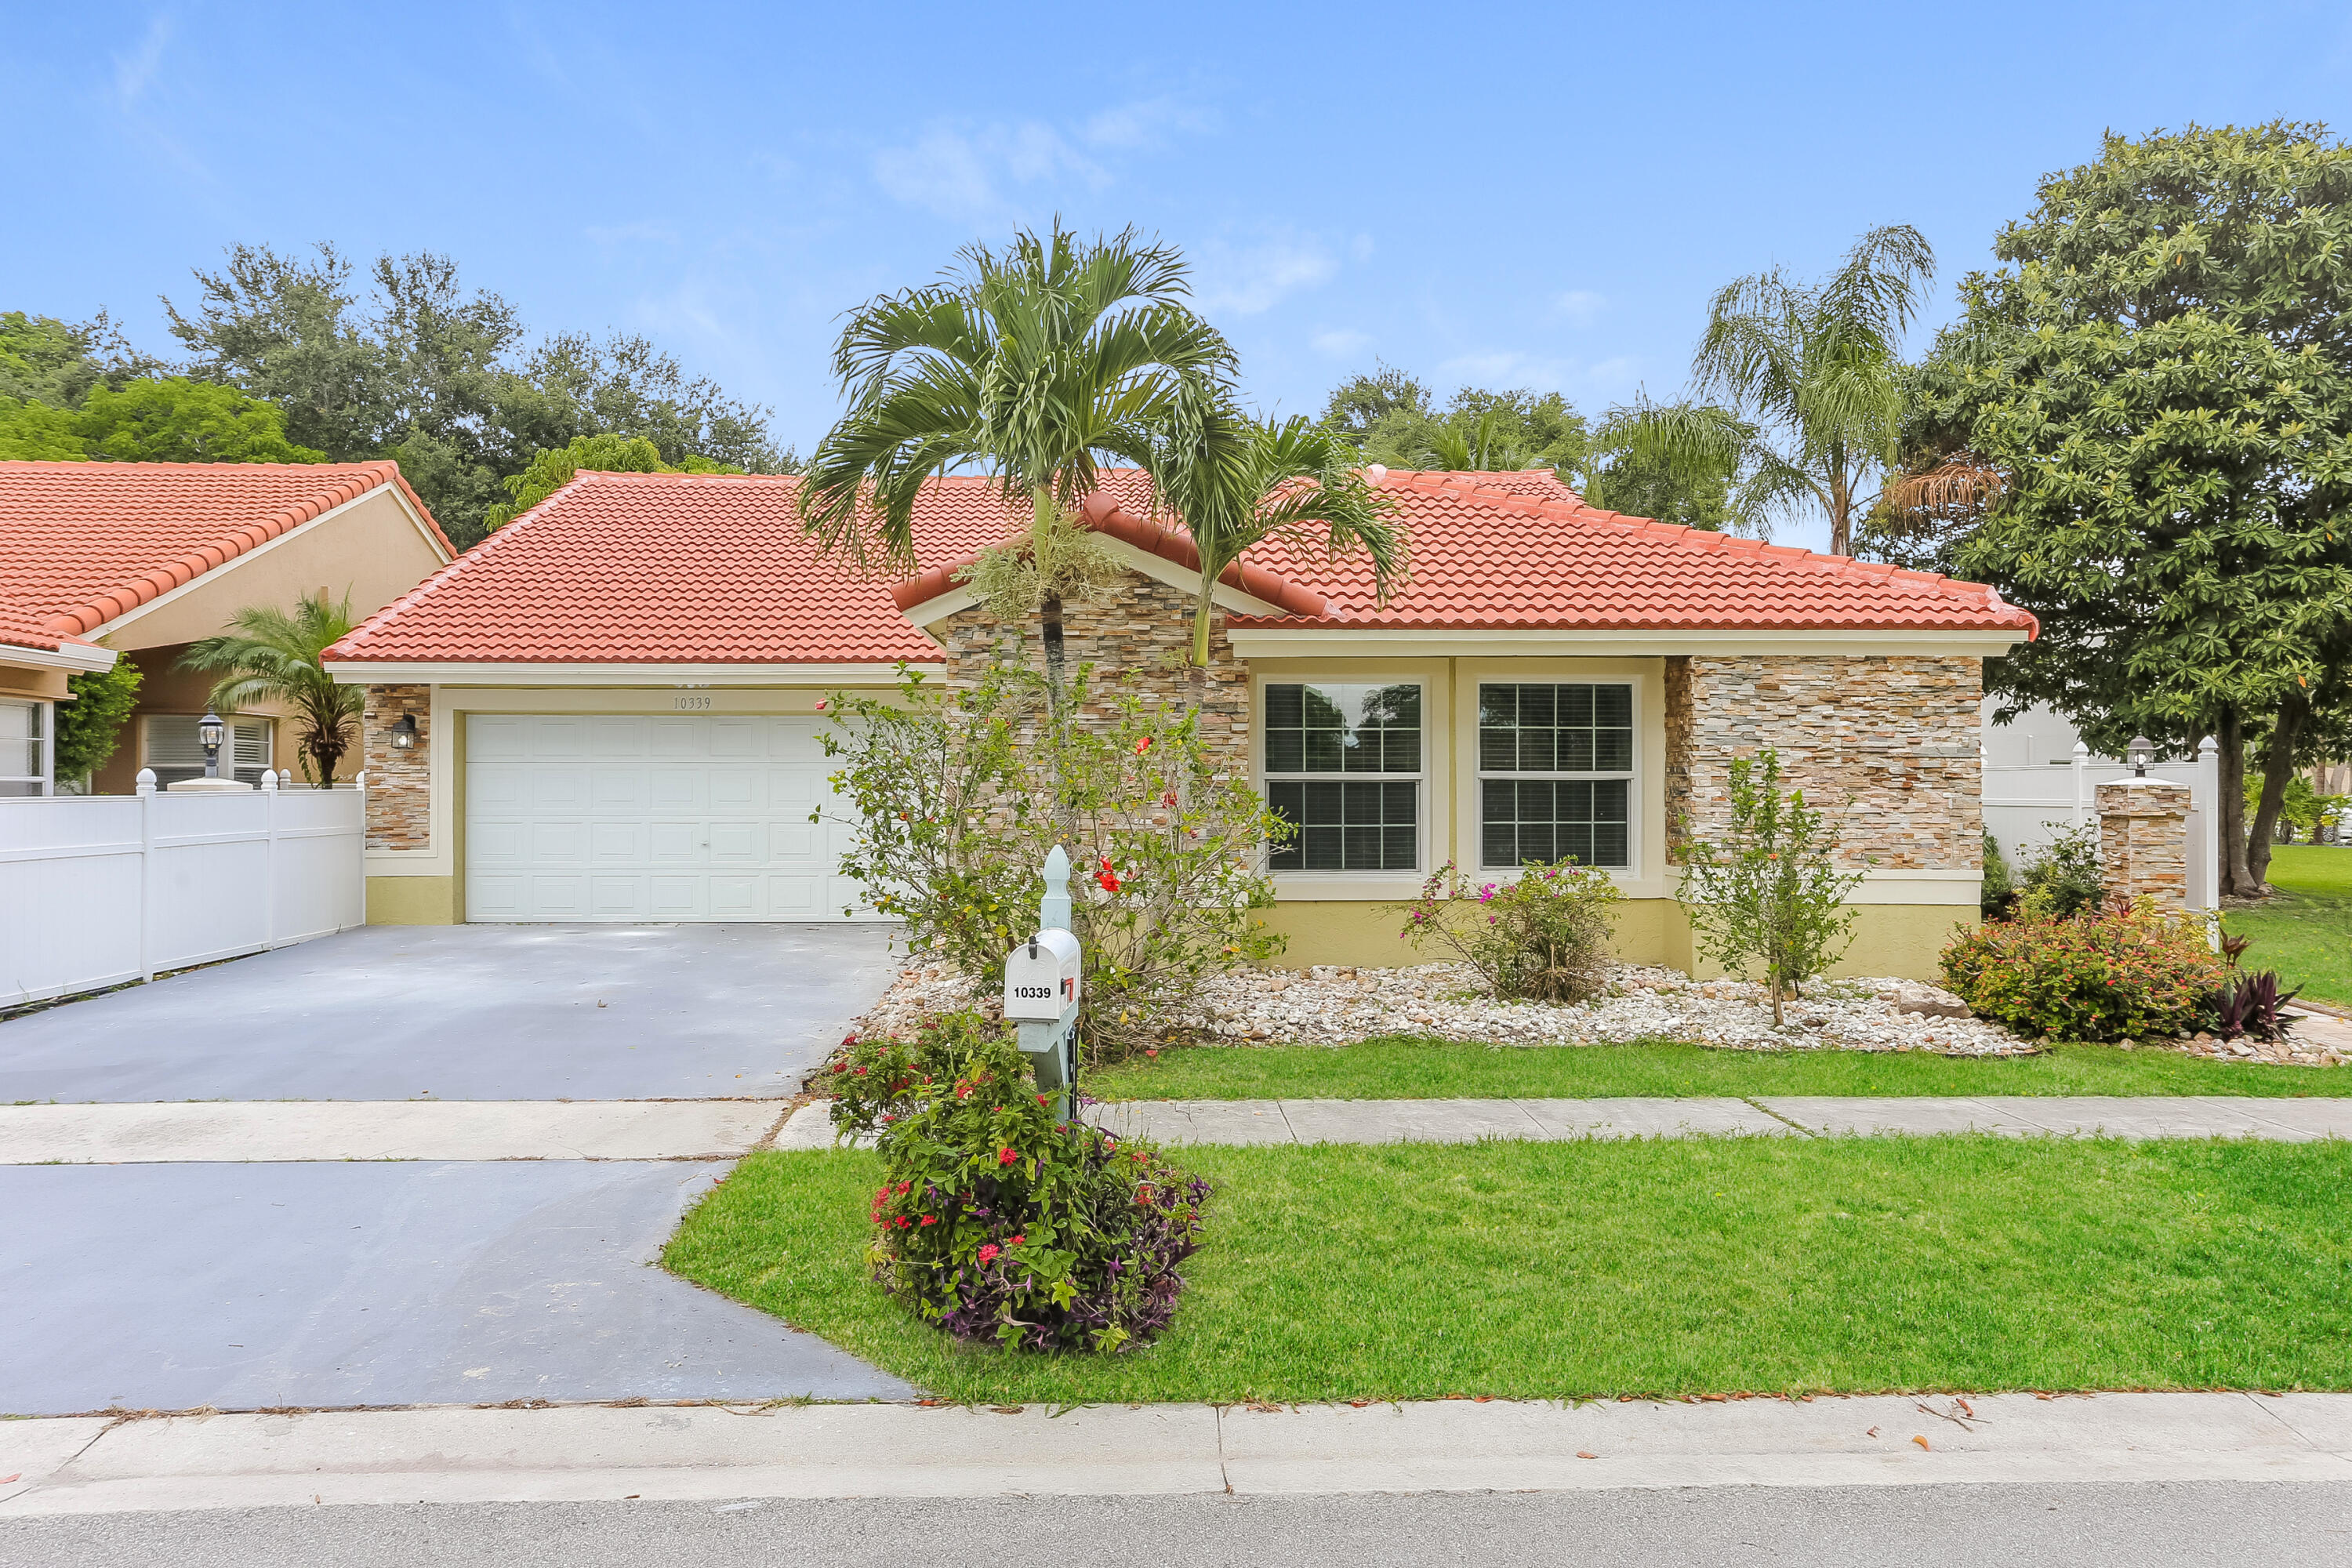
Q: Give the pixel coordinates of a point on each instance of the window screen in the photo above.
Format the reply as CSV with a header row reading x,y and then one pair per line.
x,y
1343,764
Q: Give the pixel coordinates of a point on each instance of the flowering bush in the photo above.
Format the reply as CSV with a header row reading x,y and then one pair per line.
x,y
2107,974
1543,938
957,801
996,1222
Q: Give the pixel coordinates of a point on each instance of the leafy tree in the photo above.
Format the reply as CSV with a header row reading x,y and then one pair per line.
x,y
2161,370
549,471
34,432
1694,492
1029,363
1389,417
445,380
1811,373
274,657
172,419
1232,481
55,364
91,726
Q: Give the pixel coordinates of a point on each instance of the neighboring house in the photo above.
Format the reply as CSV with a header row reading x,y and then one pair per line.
x,y
611,706
140,560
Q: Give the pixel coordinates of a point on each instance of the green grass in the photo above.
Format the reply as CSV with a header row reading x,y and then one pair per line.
x,y
1663,1267
1437,1070
2306,933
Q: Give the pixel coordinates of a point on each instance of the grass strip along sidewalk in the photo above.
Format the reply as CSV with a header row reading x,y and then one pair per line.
x,y
2305,934
1440,1070
1663,1267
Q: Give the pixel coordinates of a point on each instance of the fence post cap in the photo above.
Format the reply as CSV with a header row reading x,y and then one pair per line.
x,y
2208,747
2082,751
146,781
268,781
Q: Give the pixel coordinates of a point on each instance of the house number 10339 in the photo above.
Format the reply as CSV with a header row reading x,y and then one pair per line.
x,y
690,703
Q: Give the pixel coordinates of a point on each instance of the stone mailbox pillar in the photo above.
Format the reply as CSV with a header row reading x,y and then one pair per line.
x,y
2144,841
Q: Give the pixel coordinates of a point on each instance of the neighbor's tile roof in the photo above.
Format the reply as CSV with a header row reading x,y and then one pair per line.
x,y
81,543
679,568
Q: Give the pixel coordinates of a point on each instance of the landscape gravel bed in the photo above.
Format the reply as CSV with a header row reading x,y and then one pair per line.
x,y
1337,1006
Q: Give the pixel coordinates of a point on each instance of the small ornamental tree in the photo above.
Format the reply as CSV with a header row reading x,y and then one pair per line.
x,y
954,801
1766,893
997,1223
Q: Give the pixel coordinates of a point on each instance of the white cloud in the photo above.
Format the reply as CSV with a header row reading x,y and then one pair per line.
x,y
1341,344
1150,122
1578,306
135,72
1248,280
961,175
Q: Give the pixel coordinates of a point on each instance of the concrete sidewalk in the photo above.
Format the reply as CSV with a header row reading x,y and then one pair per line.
x,y
1552,1121
224,1131
583,1453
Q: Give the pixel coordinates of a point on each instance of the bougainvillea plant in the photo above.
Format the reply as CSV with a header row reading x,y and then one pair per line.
x,y
993,1220
2107,974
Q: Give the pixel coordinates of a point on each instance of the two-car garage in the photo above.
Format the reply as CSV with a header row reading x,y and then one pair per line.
x,y
633,817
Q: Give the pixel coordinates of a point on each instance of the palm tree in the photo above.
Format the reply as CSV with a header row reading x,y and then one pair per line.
x,y
1814,370
1028,364
273,656
1233,481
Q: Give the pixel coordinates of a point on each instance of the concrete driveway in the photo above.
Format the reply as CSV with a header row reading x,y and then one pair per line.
x,y
528,1270
476,1011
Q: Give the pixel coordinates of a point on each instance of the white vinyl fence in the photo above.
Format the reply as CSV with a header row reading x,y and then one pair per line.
x,y
98,889
2025,807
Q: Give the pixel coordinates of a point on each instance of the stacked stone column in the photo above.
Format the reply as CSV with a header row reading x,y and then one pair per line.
x,y
2144,841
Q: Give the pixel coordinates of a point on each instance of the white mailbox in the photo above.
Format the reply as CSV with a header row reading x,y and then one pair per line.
x,y
1041,978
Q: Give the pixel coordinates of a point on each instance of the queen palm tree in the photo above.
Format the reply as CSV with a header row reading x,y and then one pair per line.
x,y
1232,481
1809,379
274,657
1029,363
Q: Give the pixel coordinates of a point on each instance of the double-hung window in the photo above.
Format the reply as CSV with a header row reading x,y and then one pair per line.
x,y
24,748
1343,765
1555,772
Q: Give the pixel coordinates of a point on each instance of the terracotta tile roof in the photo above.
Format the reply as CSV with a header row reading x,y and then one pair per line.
x,y
81,543
1511,551
22,625
676,568
672,569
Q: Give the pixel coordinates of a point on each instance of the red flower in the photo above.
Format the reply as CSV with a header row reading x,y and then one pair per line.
x,y
902,1222
930,1219
1041,1100
1107,878
1006,1156
1152,1050
988,1252
1016,1241
820,704
1143,745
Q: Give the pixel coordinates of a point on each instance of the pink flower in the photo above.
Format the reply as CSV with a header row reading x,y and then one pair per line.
x,y
988,1252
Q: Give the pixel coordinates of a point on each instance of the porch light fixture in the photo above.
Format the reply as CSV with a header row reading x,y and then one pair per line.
x,y
210,733
403,734
2140,753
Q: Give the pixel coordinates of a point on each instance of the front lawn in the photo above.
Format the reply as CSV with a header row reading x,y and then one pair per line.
x,y
2305,934
1663,1267
1440,1069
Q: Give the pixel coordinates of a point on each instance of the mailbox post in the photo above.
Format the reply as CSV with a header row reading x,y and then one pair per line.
x,y
1040,990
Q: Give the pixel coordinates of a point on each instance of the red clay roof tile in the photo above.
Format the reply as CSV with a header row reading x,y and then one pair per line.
x,y
81,543
673,568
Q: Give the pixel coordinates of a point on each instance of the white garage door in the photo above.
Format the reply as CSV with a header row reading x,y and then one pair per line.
x,y
610,817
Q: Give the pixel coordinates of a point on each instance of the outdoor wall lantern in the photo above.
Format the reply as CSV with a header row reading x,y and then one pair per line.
x,y
211,731
2140,753
403,734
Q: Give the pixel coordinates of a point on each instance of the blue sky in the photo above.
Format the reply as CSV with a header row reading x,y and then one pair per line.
x,y
1540,196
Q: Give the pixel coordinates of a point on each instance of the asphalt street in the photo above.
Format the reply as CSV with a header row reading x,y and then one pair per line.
x,y
2207,1524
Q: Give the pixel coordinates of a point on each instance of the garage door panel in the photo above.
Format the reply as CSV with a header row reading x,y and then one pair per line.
x,y
641,818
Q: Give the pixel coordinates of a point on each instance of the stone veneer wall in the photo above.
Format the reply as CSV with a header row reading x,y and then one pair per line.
x,y
2144,841
400,791
1143,629
1888,746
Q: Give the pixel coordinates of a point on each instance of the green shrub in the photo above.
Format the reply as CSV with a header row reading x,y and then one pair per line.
x,y
2103,975
1999,893
1542,938
957,799
1768,895
2063,878
995,1221
91,726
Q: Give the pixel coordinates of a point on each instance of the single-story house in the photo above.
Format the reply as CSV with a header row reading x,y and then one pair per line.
x,y
140,560
608,711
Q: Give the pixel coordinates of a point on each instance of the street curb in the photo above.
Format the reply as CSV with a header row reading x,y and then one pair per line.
x,y
581,1453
